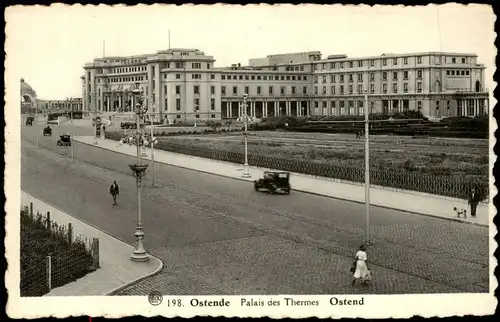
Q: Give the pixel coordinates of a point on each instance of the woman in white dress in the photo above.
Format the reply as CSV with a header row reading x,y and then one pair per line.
x,y
361,271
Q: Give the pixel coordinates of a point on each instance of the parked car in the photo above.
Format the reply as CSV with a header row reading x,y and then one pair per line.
x,y
47,131
274,182
64,140
130,125
30,120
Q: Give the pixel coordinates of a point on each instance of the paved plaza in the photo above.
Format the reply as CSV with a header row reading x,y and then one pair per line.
x,y
217,235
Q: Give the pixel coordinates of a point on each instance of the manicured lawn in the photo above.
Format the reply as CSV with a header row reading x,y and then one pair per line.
x,y
435,156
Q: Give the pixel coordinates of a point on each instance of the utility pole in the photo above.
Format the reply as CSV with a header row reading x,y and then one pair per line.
x,y
72,130
367,169
246,172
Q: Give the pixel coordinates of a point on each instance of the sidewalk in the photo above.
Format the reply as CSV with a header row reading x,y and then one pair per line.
x,y
409,201
116,269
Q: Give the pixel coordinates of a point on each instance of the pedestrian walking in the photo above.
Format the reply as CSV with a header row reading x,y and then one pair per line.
x,y
360,268
473,201
114,191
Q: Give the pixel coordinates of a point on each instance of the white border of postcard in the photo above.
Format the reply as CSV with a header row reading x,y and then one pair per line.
x,y
373,306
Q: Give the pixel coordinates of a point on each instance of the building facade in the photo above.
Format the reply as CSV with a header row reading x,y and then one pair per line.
x,y
28,96
67,104
183,84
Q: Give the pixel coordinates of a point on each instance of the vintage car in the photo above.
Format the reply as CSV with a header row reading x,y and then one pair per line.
x,y
47,131
274,182
30,120
130,125
64,140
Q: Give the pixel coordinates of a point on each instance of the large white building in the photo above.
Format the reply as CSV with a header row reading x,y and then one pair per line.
x,y
185,84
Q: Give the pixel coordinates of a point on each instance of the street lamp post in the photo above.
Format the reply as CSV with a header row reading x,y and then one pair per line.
x,y
367,169
246,172
153,141
195,108
94,110
95,126
71,124
139,254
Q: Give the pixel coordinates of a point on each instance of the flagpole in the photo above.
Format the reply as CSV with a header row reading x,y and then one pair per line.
x,y
169,39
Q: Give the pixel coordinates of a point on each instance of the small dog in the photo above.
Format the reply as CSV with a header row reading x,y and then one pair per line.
x,y
368,278
460,212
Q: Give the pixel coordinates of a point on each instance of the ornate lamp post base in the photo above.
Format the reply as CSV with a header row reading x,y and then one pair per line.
x,y
139,254
246,170
246,173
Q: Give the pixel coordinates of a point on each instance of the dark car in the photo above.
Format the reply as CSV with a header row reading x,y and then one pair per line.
x,y
274,182
30,120
64,140
130,125
47,131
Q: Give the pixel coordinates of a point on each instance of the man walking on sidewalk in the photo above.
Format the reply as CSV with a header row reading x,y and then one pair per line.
x,y
115,191
474,200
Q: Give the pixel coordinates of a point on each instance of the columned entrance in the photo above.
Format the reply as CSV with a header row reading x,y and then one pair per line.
x,y
235,109
270,108
259,109
224,110
303,108
293,108
282,108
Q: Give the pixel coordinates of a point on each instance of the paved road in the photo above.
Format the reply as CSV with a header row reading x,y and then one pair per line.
x,y
216,235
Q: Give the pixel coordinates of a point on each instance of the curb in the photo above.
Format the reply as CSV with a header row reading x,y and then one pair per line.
x,y
156,271
304,191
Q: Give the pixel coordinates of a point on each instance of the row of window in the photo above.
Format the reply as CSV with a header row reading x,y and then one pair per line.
x,y
178,116
331,65
360,63
196,104
395,89
333,78
461,72
350,90
132,69
125,79
342,77
128,69
264,77
196,90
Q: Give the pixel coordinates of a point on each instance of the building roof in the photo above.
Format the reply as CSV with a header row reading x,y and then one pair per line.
x,y
26,88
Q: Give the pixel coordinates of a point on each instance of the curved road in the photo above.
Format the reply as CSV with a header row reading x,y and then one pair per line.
x,y
217,236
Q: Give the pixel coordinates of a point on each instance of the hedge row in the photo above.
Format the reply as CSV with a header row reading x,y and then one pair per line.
x,y
204,131
403,131
445,186
40,239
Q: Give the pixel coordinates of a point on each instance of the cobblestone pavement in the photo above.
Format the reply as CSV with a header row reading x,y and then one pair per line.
x,y
216,235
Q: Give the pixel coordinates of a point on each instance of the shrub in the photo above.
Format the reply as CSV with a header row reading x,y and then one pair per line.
x,y
40,239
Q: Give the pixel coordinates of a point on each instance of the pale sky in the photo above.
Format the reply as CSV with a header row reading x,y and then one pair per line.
x,y
48,46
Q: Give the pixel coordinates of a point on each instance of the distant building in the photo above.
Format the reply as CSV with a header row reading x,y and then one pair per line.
x,y
67,104
28,96
184,84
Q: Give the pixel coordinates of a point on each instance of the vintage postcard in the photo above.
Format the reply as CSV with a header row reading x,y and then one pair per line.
x,y
280,161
